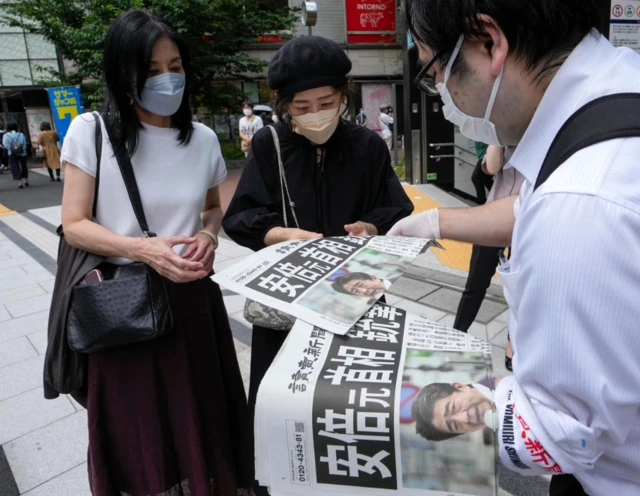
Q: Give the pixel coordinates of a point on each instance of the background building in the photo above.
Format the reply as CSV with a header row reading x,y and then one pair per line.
x,y
21,99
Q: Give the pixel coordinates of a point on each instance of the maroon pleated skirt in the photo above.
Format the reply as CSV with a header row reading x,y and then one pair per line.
x,y
169,417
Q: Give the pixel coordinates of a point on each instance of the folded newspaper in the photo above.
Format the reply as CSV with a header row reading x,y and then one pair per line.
x,y
331,282
398,405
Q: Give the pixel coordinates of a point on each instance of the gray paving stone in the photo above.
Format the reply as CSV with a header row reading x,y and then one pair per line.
x,y
413,289
234,303
30,305
21,377
392,299
10,273
33,268
4,315
23,326
494,327
19,281
447,320
75,479
503,317
76,405
478,330
21,293
500,339
419,272
49,451
39,341
15,351
13,261
30,411
443,299
489,310
421,310
48,285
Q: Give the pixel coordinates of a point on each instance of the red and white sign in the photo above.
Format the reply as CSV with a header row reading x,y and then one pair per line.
x,y
371,21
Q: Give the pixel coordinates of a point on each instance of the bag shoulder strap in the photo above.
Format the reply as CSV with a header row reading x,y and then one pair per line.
x,y
129,178
606,118
284,187
98,136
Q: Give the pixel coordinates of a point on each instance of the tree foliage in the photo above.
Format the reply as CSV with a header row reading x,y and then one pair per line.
x,y
215,30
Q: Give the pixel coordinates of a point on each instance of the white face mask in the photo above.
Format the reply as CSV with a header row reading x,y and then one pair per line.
x,y
475,128
247,112
318,127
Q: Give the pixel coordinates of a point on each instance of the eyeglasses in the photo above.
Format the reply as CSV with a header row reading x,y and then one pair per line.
x,y
424,81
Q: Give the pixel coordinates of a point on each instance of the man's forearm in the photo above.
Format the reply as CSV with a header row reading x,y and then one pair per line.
x,y
486,225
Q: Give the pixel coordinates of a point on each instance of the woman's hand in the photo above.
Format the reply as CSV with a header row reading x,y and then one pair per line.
x,y
281,234
203,251
361,229
159,254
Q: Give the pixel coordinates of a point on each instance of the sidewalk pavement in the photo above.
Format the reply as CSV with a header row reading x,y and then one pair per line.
x,y
44,443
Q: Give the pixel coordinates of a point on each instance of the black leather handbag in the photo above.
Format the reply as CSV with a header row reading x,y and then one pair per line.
x,y
131,304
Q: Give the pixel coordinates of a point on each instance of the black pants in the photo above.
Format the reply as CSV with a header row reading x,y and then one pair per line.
x,y
484,261
265,344
565,485
481,181
51,173
18,167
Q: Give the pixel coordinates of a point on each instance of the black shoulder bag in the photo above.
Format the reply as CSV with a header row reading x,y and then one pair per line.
x,y
606,118
130,305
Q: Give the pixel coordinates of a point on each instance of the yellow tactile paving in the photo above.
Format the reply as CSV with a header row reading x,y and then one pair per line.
x,y
457,254
5,211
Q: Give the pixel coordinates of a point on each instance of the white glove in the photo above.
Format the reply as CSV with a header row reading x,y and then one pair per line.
x,y
425,225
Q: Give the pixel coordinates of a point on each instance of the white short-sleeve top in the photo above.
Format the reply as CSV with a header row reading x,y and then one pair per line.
x,y
173,179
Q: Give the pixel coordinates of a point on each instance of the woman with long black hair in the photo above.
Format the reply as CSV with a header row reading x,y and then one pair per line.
x,y
339,174
166,416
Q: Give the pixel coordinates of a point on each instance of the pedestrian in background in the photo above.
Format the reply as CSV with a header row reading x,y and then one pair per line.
x,y
166,416
4,154
339,174
484,259
361,118
48,144
16,146
482,181
250,124
385,124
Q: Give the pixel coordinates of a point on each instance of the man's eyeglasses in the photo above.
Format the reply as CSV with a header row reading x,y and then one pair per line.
x,y
424,81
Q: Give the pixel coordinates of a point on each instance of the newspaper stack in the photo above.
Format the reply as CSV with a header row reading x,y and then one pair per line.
x,y
352,414
365,398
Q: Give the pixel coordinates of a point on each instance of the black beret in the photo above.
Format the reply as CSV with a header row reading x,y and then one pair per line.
x,y
308,62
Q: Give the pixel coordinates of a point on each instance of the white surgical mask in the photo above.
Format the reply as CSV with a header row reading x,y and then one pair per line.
x,y
475,128
247,112
274,118
162,95
318,127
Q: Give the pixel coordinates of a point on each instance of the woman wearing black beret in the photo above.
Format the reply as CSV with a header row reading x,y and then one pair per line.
x,y
339,174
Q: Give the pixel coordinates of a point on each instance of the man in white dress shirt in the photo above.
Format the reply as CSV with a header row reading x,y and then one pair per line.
x,y
513,73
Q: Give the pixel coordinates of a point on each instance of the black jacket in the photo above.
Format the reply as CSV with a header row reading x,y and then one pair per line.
x,y
353,182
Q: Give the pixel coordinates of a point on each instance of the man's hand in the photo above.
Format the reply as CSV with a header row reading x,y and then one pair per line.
x,y
281,234
361,229
424,225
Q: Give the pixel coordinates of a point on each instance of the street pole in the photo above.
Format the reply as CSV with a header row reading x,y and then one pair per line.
x,y
395,126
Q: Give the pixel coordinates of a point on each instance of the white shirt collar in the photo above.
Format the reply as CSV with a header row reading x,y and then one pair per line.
x,y
573,86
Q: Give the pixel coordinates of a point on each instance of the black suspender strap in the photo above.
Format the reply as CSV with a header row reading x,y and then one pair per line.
x,y
610,117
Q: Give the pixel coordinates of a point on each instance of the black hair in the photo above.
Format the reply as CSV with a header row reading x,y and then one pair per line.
x,y
422,410
339,284
12,126
45,126
541,32
248,104
348,90
127,53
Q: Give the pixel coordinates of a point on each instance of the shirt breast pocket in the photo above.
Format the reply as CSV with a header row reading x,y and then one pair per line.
x,y
509,277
